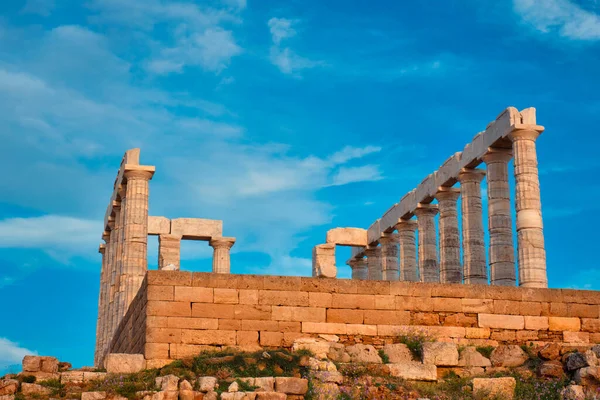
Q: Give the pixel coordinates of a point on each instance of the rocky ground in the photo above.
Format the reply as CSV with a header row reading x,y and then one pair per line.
x,y
415,368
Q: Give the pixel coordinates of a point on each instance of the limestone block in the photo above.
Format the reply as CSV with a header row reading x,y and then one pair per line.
x,y
71,377
500,127
578,360
233,387
291,385
397,353
33,390
508,356
7,397
448,172
564,324
440,354
207,383
470,357
357,252
40,364
337,353
159,225
270,396
374,232
472,152
347,236
211,395
587,376
93,376
361,353
197,228
267,384
550,351
8,386
501,388
426,189
573,392
43,376
117,363
191,395
390,218
323,262
551,369
515,322
93,395
408,203
167,382
321,365
414,371
328,377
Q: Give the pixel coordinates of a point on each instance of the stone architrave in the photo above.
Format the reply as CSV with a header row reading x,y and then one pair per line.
x,y
135,246
221,256
450,265
428,259
408,250
530,236
359,268
389,257
347,236
374,263
474,263
501,251
169,251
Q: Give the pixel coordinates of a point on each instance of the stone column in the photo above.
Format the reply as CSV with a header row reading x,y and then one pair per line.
x,y
359,268
100,321
373,263
530,236
501,251
450,266
135,246
408,250
169,251
111,281
389,257
105,293
472,227
120,231
221,258
428,258
323,261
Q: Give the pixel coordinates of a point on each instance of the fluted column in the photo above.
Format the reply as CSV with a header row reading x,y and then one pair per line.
x,y
474,263
389,257
221,257
135,250
120,267
105,311
373,263
428,259
501,251
169,252
530,236
359,268
408,250
112,280
100,320
450,265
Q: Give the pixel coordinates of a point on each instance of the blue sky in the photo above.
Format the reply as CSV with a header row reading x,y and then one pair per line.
x,y
284,119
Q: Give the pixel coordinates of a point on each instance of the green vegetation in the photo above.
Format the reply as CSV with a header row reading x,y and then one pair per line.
x,y
415,340
384,357
485,351
127,385
57,388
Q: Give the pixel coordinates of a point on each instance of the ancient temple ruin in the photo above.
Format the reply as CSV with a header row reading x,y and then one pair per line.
x,y
375,250
406,274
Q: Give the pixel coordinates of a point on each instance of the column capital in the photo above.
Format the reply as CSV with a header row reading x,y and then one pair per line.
x,y
389,238
111,223
138,172
445,193
170,237
471,175
355,262
116,205
525,132
426,210
406,225
106,236
222,242
122,191
101,248
371,251
497,154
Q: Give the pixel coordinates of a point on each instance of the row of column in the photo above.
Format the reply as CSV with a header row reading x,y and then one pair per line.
x,y
169,253
382,261
124,255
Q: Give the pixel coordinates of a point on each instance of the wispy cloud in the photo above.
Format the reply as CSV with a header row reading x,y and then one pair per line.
x,y
12,353
346,175
564,17
40,7
284,57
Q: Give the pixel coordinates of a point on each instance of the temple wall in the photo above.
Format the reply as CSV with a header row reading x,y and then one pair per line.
x,y
178,314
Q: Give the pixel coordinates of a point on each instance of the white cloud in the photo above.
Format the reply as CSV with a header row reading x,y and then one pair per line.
x,y
349,153
565,17
285,58
345,175
281,28
11,353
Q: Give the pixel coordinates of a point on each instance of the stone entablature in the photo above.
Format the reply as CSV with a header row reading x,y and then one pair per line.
x,y
511,136
178,314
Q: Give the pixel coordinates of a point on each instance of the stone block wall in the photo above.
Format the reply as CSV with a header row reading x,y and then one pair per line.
x,y
178,314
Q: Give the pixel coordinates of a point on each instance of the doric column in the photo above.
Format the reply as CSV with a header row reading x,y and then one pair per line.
x,y
135,246
408,250
450,266
99,321
105,286
474,264
502,251
120,232
428,259
373,263
389,257
111,280
359,268
169,251
221,258
530,236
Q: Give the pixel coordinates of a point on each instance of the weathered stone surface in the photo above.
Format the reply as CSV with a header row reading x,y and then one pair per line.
x,y
167,382
551,369
440,353
575,361
8,386
42,376
347,236
573,392
326,391
32,389
318,347
361,353
397,353
291,385
190,395
323,261
93,395
93,376
65,366
207,383
503,388
116,363
158,225
71,377
7,397
211,395
321,365
508,356
470,357
587,376
414,371
337,353
197,228
185,385
330,338
40,364
551,351
233,387
328,376
267,384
